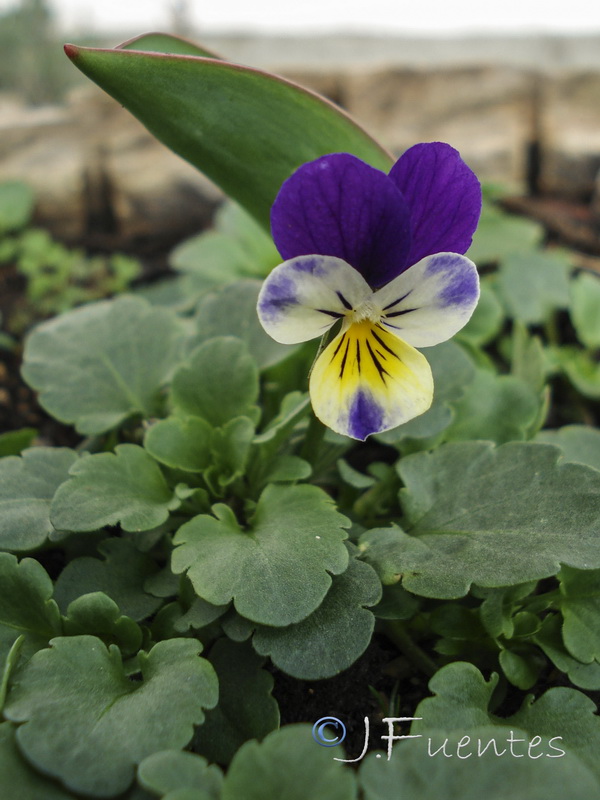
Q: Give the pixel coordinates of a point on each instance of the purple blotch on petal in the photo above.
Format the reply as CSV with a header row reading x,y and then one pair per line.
x,y
462,284
444,197
366,416
279,293
339,206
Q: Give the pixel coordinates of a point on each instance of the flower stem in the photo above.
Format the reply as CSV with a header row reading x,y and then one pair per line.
x,y
398,634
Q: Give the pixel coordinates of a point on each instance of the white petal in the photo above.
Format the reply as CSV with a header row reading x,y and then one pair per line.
x,y
303,297
431,301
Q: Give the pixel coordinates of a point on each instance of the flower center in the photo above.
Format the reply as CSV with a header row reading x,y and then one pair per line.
x,y
365,310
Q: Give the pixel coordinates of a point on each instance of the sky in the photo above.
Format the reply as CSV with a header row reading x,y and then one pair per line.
x,y
391,16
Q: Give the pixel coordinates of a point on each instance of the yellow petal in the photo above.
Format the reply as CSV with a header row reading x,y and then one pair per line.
x,y
368,380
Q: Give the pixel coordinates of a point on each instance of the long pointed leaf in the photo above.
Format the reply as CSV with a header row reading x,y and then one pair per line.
x,y
166,43
245,129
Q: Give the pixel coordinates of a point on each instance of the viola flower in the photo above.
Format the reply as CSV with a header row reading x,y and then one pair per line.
x,y
383,254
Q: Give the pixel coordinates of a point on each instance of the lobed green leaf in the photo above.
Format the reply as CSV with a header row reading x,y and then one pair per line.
x,y
288,764
246,708
240,319
26,605
103,363
219,381
491,516
276,571
334,636
121,575
81,713
169,771
456,771
125,487
27,485
462,700
18,779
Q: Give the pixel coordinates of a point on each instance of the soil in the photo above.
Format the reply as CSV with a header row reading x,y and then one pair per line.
x,y
19,407
351,696
566,222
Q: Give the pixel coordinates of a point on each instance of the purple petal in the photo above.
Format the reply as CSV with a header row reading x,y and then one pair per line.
x,y
444,197
340,206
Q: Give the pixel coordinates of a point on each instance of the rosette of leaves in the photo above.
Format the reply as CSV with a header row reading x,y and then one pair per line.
x,y
201,540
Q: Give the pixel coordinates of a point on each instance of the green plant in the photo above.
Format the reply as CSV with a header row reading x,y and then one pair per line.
x,y
205,510
57,277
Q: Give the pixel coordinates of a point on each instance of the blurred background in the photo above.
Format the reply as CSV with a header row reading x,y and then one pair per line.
x,y
515,87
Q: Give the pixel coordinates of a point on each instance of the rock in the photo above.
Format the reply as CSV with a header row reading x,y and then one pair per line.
x,y
99,176
485,112
570,134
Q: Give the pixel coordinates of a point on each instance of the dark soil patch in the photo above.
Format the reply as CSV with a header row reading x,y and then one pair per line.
x,y
19,407
366,689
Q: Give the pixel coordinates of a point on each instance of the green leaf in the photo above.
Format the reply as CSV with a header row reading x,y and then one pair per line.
x,y
288,764
529,362
246,708
491,516
27,485
100,364
237,628
166,43
533,285
396,603
13,443
382,549
126,487
240,319
198,615
522,670
498,235
488,317
82,713
98,615
16,205
18,779
496,611
121,575
353,477
453,371
580,606
287,468
462,701
581,368
585,308
218,383
332,637
497,407
580,444
458,772
181,443
230,449
26,605
237,248
276,571
247,130
10,663
170,770
549,638
294,407
455,621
